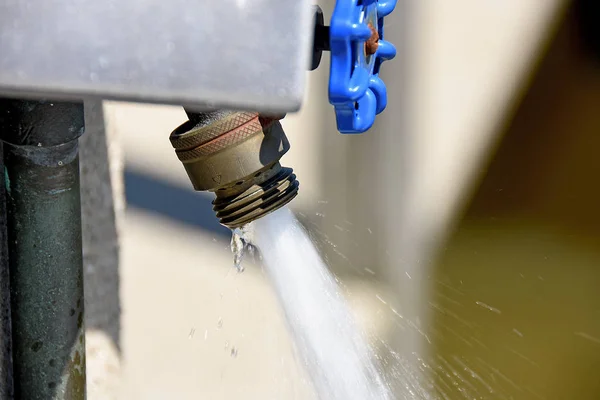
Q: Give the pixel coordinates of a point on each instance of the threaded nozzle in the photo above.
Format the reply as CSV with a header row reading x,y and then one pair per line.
x,y
238,209
236,155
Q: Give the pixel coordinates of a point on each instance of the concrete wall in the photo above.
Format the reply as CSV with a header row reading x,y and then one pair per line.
x,y
516,287
102,204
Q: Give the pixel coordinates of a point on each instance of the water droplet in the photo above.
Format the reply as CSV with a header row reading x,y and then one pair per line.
x,y
370,271
192,331
486,306
329,242
60,163
238,247
380,299
103,62
251,250
518,333
234,352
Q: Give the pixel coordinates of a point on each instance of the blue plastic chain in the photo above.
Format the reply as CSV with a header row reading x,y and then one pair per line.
x,y
355,89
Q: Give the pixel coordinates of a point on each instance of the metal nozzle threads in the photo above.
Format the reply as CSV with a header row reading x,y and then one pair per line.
x,y
236,155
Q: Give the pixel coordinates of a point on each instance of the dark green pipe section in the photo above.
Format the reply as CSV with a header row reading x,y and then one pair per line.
x,y
6,381
44,247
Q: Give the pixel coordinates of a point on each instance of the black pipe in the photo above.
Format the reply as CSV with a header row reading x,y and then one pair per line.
x,y
6,381
321,41
44,245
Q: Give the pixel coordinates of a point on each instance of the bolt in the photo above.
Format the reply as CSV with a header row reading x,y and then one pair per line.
x,y
372,43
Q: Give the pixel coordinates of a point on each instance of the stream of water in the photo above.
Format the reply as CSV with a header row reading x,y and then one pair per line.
x,y
481,341
329,343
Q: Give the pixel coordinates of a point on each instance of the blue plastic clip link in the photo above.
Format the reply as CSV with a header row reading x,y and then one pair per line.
x,y
355,89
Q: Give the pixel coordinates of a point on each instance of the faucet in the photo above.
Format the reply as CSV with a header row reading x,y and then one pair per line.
x,y
236,154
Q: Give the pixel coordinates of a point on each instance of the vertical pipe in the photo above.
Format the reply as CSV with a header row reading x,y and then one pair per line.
x,y
6,384
44,245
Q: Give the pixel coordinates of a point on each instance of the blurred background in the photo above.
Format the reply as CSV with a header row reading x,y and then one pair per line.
x,y
463,227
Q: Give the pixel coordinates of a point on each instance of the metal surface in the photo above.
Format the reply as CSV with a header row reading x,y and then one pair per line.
x,y
236,155
6,384
217,54
44,245
320,38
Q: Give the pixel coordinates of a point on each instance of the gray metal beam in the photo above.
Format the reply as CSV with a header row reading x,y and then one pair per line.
x,y
238,54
